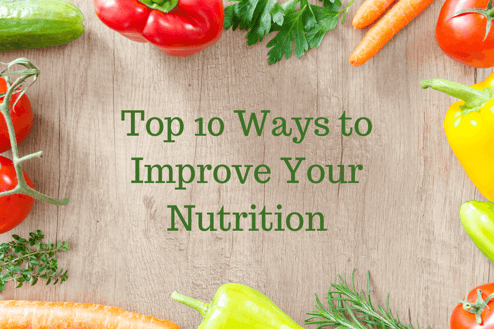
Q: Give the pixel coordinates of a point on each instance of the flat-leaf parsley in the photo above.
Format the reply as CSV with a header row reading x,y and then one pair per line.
x,y
298,27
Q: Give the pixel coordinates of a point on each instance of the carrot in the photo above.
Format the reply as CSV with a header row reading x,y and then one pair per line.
x,y
18,314
369,11
394,20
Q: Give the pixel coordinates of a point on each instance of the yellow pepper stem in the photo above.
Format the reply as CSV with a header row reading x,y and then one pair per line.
x,y
191,302
472,97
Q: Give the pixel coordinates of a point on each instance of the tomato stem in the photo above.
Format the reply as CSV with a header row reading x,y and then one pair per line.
x,y
22,187
478,307
488,12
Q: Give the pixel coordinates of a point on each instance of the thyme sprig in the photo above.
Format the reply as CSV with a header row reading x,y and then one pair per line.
x,y
30,260
350,309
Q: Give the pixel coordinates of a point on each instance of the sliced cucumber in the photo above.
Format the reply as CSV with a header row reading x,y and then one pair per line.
x,y
28,24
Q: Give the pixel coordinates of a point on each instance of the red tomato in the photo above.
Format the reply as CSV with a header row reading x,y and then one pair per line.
x,y
462,319
13,208
462,37
22,118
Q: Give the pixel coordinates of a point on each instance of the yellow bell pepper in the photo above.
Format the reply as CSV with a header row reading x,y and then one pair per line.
x,y
469,126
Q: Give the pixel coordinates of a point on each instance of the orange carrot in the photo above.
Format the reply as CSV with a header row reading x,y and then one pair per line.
x,y
394,20
369,11
44,315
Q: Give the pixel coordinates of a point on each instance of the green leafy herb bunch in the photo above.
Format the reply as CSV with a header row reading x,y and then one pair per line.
x,y
304,25
30,260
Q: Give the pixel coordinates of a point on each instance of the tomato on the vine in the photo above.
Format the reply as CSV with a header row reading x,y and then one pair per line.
x,y
22,119
13,208
463,32
476,311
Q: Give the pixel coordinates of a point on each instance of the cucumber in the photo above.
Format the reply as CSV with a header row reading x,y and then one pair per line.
x,y
28,24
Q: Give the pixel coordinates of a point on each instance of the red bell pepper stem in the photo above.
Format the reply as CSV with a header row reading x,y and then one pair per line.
x,y
161,5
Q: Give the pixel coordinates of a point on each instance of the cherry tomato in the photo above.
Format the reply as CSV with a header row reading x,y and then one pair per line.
x,y
13,208
463,319
22,118
462,37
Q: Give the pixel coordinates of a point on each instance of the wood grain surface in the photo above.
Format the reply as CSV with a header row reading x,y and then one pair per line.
x,y
401,222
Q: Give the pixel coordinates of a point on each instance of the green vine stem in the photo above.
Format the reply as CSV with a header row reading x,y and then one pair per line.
x,y
30,71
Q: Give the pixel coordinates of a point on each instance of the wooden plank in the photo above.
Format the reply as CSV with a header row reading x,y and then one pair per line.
x,y
401,221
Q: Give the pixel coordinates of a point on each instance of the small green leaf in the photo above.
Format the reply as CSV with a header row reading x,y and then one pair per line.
x,y
327,21
229,17
277,14
308,17
331,5
290,7
291,32
244,9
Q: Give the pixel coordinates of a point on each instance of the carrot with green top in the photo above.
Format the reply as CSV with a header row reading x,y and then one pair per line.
x,y
394,20
369,11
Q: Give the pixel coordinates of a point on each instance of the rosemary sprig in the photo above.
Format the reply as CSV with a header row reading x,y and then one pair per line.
x,y
20,263
350,309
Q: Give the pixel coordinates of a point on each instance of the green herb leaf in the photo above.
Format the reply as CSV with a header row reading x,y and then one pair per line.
x,y
17,254
331,5
291,31
327,20
257,16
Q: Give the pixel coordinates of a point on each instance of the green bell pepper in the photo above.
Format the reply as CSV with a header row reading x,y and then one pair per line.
x,y
235,306
477,218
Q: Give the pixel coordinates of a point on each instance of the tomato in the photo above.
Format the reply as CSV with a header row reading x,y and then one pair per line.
x,y
13,208
478,301
22,118
462,37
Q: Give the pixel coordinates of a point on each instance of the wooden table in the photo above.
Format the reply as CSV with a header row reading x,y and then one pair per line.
x,y
400,222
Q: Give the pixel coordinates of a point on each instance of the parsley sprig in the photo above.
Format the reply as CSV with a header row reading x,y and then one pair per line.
x,y
24,260
304,25
350,309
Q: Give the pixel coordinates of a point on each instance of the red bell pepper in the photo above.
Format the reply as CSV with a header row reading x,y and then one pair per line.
x,y
176,27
